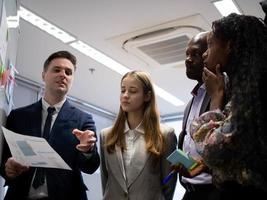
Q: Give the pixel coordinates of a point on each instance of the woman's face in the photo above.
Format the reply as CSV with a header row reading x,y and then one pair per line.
x,y
217,53
132,97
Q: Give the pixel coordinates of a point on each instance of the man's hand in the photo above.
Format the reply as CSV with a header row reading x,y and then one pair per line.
x,y
14,169
87,140
199,168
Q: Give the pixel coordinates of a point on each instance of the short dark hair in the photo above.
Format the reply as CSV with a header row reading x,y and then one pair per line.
x,y
60,54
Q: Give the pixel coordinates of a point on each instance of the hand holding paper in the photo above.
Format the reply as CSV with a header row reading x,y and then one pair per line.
x,y
14,169
33,151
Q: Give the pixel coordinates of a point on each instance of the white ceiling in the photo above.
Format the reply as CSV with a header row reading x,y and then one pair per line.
x,y
106,24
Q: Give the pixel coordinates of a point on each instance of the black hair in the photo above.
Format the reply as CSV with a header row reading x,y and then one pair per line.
x,y
247,71
60,54
264,8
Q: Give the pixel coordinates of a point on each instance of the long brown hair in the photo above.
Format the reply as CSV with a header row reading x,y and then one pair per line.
x,y
153,136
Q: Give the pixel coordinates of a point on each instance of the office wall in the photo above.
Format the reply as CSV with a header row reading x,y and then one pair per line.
x,y
8,53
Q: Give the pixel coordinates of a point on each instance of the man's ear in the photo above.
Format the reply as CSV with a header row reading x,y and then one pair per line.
x,y
43,75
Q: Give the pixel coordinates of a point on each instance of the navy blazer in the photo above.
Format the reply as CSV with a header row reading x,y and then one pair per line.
x,y
61,184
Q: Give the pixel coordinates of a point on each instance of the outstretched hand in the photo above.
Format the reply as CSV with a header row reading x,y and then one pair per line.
x,y
87,140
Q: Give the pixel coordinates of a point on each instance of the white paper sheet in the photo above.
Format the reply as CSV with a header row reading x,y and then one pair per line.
x,y
33,151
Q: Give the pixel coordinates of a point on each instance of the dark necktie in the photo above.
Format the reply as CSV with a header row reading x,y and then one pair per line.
x,y
40,175
47,126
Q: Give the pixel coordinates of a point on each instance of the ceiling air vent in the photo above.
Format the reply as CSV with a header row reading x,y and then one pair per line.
x,y
168,51
161,48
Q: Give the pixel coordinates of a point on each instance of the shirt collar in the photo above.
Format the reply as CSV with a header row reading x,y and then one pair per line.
x,y
57,106
197,88
139,128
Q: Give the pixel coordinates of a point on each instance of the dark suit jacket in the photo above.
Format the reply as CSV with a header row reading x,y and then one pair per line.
x,y
61,184
204,108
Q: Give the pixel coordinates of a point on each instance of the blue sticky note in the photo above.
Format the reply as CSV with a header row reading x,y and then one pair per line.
x,y
178,156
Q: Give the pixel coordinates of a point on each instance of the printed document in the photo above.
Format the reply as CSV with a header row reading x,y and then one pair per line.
x,y
33,151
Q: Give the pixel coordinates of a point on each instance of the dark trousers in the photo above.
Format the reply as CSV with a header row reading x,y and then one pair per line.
x,y
231,190
201,191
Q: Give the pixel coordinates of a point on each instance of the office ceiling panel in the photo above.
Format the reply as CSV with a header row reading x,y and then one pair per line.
x,y
105,24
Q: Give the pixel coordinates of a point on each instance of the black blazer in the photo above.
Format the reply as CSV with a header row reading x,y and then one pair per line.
x,y
61,184
204,107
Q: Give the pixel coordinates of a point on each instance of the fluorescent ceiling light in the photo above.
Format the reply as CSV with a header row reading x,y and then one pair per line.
x,y
12,21
226,7
89,51
167,96
99,57
119,68
45,25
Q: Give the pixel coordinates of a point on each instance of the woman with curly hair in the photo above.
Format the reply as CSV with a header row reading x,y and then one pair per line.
x,y
134,149
232,139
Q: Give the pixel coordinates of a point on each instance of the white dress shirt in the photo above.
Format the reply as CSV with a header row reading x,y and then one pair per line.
x,y
188,144
41,191
132,139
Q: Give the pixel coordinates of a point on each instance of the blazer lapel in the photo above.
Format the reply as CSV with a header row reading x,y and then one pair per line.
x,y
183,132
186,112
36,119
138,163
120,161
65,120
65,112
117,167
205,104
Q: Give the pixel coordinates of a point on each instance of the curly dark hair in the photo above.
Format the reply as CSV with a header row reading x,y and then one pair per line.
x,y
247,71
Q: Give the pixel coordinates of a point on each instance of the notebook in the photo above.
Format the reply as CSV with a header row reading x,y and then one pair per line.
x,y
178,156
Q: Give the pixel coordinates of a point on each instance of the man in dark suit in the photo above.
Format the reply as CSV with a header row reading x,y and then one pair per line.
x,y
72,136
197,182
